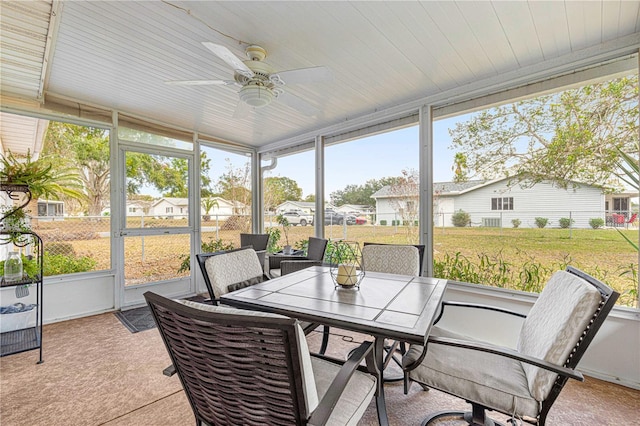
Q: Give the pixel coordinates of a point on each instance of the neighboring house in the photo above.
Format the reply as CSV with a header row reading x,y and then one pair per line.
x,y
50,208
291,206
169,207
496,203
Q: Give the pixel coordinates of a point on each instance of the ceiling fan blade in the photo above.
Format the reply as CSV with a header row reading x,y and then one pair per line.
x,y
200,82
298,104
231,59
242,110
306,75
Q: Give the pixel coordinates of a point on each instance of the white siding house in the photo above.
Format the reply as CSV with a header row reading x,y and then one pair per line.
x,y
288,206
178,208
498,202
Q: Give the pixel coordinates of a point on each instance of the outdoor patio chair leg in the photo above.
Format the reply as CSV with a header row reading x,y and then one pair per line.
x,y
169,371
325,340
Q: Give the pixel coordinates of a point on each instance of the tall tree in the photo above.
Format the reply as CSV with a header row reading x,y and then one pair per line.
x,y
405,200
566,137
360,194
279,189
86,149
234,184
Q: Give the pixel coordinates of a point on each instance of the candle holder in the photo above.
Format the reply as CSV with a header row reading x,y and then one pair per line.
x,y
345,264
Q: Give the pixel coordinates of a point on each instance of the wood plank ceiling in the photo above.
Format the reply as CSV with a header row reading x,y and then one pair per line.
x,y
382,54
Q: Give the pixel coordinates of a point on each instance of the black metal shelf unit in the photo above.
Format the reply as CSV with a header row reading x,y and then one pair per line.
x,y
29,338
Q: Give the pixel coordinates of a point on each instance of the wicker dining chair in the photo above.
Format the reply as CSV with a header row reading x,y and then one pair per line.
x,y
282,264
393,259
258,242
254,368
525,381
387,258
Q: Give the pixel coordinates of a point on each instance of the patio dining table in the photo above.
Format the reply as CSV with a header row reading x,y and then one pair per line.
x,y
384,306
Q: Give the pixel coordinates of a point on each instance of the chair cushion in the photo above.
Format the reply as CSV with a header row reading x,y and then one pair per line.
x,y
231,271
554,325
308,380
400,259
356,396
486,379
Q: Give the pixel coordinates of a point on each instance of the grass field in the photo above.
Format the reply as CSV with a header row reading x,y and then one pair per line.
x,y
601,252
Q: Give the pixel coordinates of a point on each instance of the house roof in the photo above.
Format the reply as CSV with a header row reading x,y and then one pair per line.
x,y
454,188
387,58
442,188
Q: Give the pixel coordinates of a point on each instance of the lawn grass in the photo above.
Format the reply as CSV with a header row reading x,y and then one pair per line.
x,y
601,252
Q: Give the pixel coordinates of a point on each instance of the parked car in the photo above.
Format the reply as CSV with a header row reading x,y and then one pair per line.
x,y
332,217
298,218
360,220
351,220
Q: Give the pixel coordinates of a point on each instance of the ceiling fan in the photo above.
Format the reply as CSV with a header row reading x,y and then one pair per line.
x,y
259,84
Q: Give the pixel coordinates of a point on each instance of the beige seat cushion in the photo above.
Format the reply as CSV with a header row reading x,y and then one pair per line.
x,y
403,260
479,377
228,269
354,400
554,325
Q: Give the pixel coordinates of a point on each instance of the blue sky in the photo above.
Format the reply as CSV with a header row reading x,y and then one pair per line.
x,y
372,157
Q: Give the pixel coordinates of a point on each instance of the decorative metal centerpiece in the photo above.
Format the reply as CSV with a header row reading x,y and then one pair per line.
x,y
345,260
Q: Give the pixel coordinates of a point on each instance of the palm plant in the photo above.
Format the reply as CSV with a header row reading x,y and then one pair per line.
x,y
42,178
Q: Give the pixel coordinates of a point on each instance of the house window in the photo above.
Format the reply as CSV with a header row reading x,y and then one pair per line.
x,y
621,204
169,210
132,209
502,203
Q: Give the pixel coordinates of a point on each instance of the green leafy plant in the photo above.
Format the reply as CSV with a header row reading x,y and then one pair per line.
x,y
565,222
596,222
282,221
516,222
274,238
461,219
58,264
16,223
42,178
207,247
541,222
341,252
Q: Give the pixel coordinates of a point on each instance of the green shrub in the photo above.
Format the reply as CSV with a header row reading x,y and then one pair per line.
x,y
58,264
541,222
516,222
274,239
383,222
207,247
461,219
565,222
596,222
493,271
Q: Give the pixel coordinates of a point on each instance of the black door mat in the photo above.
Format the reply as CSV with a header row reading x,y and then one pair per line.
x,y
141,319
138,319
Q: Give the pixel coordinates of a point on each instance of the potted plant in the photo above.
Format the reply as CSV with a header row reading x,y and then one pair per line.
x,y
344,258
39,176
282,221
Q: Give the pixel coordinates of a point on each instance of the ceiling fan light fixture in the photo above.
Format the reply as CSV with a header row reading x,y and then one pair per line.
x,y
256,96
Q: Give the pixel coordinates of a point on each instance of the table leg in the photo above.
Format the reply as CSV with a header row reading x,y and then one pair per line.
x,y
381,405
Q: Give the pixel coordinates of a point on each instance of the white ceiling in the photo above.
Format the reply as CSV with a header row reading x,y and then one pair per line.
x,y
383,54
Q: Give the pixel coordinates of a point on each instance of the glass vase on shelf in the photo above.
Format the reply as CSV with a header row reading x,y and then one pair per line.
x,y
13,267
